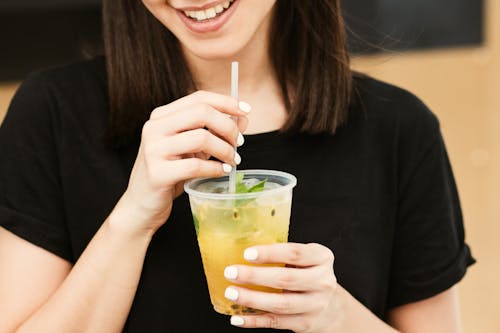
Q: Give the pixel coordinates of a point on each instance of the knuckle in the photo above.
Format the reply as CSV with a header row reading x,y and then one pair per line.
x,y
200,94
155,113
284,280
326,253
273,321
295,253
328,284
283,304
207,110
315,246
329,256
146,128
203,113
200,137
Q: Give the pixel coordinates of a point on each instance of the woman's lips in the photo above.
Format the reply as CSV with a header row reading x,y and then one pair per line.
x,y
211,24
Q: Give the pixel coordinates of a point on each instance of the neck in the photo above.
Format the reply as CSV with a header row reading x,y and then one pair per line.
x,y
255,67
257,82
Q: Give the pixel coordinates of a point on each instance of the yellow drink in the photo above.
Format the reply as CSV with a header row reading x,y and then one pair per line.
x,y
227,224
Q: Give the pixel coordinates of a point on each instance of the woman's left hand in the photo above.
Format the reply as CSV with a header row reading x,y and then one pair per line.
x,y
308,302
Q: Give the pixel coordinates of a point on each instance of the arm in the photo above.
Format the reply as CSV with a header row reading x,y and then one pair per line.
x,y
313,302
96,294
439,313
21,294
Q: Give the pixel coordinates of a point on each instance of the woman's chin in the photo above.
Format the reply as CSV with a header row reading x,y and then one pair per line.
x,y
214,51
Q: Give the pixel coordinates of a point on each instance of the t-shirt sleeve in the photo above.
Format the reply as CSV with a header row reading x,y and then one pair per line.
x,y
31,198
430,254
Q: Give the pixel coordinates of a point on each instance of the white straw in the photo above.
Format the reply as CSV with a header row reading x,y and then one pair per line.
x,y
234,94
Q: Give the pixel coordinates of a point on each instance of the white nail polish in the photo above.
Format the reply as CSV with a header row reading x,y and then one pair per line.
x,y
250,254
245,107
227,167
231,294
237,321
240,140
237,158
231,272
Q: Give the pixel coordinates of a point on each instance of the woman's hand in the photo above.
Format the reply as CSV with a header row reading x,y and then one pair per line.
x,y
308,303
177,142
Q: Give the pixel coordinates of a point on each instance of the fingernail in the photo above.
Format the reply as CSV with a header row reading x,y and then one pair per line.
x,y
227,167
240,140
231,294
245,107
237,321
237,158
250,254
231,272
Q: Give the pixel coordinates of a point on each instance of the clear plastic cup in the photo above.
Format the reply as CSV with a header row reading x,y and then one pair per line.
x,y
228,223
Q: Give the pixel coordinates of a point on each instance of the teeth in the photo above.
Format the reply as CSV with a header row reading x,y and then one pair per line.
x,y
209,13
201,15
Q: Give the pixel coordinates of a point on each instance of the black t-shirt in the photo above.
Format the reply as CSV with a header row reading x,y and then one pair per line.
x,y
380,193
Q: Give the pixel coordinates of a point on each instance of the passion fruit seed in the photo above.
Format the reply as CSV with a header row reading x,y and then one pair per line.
x,y
273,212
235,214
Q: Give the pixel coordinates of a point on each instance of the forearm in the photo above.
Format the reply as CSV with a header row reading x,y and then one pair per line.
x,y
355,317
98,293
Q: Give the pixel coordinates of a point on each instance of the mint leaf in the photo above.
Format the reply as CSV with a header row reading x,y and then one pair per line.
x,y
242,188
239,177
259,187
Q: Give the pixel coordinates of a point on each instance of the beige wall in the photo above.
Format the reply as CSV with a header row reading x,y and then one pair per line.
x,y
461,87
6,92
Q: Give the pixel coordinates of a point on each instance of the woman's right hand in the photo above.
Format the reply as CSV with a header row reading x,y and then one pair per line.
x,y
177,142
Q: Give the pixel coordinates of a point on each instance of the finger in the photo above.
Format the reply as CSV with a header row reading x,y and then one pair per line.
x,y
202,155
222,103
295,323
242,123
196,141
294,254
279,303
293,279
188,168
200,116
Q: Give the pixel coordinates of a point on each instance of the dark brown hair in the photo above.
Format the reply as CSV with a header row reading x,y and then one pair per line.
x,y
308,50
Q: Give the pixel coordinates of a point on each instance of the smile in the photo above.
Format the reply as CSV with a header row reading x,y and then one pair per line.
x,y
210,18
209,13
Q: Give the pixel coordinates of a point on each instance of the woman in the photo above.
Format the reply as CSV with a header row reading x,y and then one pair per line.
x,y
97,235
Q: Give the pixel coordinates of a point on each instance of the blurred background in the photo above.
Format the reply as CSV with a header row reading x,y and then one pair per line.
x,y
447,52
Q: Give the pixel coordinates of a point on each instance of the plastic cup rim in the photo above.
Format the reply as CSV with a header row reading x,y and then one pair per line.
x,y
227,196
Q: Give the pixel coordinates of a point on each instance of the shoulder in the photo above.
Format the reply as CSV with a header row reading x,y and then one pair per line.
x,y
393,109
51,96
70,77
